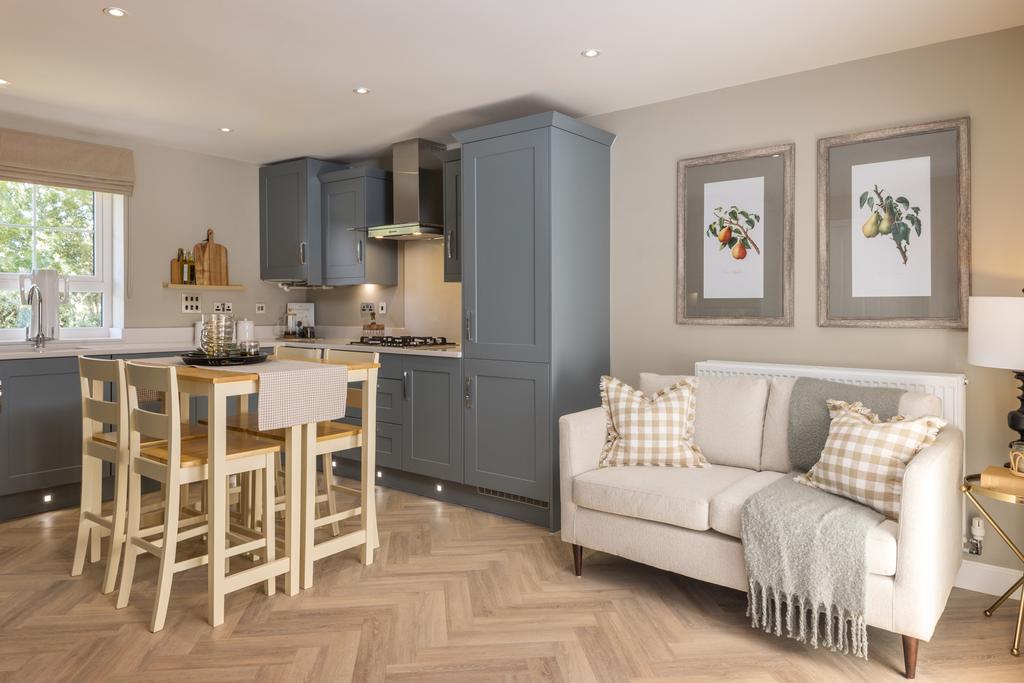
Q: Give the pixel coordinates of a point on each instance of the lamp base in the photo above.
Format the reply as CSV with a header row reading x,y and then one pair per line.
x,y
1015,418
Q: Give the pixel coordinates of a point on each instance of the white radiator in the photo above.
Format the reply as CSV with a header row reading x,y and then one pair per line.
x,y
951,388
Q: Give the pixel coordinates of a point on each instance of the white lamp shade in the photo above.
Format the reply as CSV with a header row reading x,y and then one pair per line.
x,y
995,332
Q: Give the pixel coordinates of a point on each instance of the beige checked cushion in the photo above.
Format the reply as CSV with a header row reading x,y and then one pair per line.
x,y
864,459
655,431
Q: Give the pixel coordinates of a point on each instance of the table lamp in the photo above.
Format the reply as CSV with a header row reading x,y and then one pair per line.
x,y
995,339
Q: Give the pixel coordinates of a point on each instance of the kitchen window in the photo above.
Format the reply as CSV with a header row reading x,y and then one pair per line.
x,y
68,230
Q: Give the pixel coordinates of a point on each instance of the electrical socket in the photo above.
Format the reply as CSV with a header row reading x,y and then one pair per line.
x,y
261,308
366,307
222,307
190,303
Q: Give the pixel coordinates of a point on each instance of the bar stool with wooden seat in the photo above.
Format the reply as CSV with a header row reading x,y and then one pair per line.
x,y
173,462
100,447
331,437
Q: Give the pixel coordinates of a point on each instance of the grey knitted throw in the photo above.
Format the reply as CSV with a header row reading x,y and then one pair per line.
x,y
806,552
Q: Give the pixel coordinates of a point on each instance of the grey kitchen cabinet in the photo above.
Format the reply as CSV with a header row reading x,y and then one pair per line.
x,y
506,268
290,229
432,417
535,235
40,424
351,201
508,427
452,216
390,438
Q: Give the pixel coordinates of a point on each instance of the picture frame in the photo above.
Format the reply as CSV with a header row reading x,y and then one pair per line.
x,y
734,238
908,263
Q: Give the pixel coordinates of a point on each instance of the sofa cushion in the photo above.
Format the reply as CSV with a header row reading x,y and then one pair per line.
x,y
775,450
726,513
649,429
730,416
725,510
672,495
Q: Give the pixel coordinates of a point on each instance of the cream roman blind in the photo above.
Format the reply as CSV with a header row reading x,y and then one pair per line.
x,y
46,160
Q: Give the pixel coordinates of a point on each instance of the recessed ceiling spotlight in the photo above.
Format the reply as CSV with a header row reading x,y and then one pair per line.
x,y
115,12
225,129
361,90
591,52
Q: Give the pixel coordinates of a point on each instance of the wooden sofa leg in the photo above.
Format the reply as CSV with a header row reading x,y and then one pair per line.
x,y
910,656
577,559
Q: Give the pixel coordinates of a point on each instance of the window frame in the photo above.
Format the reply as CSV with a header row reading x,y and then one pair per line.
x,y
108,209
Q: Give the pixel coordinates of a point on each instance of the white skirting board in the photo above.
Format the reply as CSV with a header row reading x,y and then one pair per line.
x,y
986,578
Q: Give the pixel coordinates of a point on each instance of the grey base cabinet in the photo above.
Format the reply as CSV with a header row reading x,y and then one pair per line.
x,y
507,431
432,418
40,424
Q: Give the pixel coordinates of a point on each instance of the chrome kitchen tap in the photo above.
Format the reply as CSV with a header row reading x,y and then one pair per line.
x,y
39,339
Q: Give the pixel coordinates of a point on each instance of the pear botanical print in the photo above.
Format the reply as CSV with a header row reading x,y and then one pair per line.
x,y
734,251
890,217
890,230
734,238
894,224
733,228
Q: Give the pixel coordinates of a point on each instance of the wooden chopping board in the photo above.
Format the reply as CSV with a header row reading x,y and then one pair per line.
x,y
211,261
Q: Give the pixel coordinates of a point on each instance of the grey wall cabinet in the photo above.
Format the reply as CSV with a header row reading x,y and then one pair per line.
x,y
535,285
40,424
290,230
508,427
351,201
452,216
432,419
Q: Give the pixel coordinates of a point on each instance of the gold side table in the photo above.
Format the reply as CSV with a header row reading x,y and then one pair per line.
x,y
970,487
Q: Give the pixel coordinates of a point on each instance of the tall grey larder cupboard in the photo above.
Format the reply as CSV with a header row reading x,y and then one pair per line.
x,y
535,287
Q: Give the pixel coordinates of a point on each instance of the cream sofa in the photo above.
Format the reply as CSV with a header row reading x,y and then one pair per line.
x,y
688,520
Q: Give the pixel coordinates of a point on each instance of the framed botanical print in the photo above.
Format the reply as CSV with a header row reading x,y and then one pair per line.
x,y
894,227
734,238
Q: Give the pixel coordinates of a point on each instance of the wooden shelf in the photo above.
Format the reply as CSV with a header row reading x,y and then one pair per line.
x,y
236,288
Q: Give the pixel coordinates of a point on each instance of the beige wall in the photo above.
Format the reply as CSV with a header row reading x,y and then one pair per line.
x,y
422,302
979,77
177,196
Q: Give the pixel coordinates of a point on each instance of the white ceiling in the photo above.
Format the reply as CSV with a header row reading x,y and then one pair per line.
x,y
281,73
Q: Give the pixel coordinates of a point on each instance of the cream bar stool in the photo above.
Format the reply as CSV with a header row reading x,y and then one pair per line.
x,y
99,447
329,438
174,462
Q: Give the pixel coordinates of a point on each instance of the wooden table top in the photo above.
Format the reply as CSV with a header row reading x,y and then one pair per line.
x,y
207,375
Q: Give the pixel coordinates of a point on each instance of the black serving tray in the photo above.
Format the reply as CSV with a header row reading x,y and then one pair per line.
x,y
234,358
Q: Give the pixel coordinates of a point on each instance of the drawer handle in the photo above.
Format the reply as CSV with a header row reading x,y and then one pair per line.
x,y
405,385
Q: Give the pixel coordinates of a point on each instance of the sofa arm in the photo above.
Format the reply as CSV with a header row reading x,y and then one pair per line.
x,y
580,440
929,548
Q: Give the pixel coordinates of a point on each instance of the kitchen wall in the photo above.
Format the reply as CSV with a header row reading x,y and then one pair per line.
x,y
422,302
978,76
179,194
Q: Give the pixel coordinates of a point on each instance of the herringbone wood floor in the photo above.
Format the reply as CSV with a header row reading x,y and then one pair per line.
x,y
454,595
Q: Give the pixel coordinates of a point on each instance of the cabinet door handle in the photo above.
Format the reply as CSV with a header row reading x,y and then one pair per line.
x,y
1,395
302,253
469,325
466,396
448,243
359,251
405,385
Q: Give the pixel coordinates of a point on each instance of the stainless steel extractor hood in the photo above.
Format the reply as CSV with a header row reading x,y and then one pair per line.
x,y
417,177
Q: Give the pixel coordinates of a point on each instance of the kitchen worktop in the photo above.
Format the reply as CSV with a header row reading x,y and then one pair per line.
x,y
85,347
345,345
175,343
